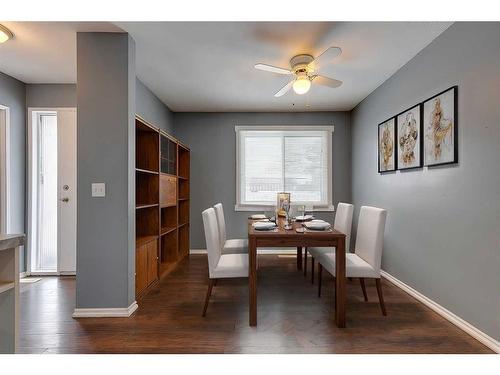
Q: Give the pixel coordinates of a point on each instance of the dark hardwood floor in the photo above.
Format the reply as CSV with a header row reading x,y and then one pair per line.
x,y
292,319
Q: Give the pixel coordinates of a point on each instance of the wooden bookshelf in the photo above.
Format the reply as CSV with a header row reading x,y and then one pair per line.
x,y
162,204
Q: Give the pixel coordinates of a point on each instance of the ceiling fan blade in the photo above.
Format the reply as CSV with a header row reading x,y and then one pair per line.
x,y
325,58
272,69
325,81
285,89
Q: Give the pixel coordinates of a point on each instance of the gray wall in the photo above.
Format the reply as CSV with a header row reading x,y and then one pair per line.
x,y
13,95
50,95
106,149
442,234
149,107
212,140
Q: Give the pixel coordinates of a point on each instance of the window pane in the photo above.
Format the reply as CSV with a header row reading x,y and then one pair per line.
x,y
305,170
262,173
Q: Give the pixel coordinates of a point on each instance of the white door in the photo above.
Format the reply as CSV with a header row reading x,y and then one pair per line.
x,y
66,124
52,191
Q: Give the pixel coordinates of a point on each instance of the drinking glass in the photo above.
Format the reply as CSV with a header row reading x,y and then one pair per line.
x,y
269,213
302,209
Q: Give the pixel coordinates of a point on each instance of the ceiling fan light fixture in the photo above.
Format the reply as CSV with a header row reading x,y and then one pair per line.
x,y
5,34
301,85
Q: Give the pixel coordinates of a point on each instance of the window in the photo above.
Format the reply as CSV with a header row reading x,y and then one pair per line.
x,y
274,159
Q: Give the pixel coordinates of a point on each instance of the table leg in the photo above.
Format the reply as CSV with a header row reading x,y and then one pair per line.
x,y
299,257
252,281
340,292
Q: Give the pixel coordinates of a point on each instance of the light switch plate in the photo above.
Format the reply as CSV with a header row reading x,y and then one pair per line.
x,y
99,189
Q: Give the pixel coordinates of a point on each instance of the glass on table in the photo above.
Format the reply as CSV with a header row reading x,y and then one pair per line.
x,y
269,213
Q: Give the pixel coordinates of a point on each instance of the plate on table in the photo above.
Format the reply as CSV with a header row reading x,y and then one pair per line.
x,y
264,225
317,225
258,217
304,218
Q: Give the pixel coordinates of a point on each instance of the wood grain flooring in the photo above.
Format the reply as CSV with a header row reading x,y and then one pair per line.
x,y
292,319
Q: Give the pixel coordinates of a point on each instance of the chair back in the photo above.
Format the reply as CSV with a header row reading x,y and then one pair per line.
x,y
221,222
370,235
343,221
211,238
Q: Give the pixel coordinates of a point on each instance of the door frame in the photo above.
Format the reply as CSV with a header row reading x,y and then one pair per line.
x,y
5,216
29,191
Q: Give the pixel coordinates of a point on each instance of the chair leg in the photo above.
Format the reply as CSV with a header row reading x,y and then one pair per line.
x,y
299,258
334,291
362,282
380,296
305,261
312,270
320,272
211,283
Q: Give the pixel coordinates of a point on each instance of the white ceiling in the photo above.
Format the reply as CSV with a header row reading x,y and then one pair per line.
x,y
45,52
208,66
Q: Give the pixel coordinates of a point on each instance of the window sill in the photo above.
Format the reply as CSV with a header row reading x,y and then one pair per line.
x,y
250,208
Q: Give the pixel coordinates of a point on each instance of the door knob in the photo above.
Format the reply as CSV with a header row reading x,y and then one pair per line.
x,y
66,199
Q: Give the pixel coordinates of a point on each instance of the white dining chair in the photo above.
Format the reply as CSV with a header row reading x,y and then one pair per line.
x,y
365,261
342,223
220,266
231,246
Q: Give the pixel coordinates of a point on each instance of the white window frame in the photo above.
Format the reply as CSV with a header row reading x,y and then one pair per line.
x,y
253,207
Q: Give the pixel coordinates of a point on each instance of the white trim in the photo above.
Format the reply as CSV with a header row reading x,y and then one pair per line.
x,y
44,273
468,328
5,216
329,128
22,275
121,312
67,273
263,251
259,207
52,273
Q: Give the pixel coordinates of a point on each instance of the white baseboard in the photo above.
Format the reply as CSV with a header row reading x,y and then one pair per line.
x,y
468,328
67,273
123,312
271,251
22,275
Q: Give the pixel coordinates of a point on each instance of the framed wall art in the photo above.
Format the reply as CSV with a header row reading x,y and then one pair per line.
x,y
440,128
386,146
409,138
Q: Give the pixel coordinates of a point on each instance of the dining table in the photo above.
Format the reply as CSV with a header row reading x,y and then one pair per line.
x,y
297,237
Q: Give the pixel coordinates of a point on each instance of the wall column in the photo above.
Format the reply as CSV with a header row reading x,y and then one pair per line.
x,y
105,276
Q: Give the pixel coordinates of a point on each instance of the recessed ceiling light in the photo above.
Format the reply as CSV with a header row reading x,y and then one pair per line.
x,y
5,34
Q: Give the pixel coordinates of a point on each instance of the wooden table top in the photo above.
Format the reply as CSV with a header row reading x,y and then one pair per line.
x,y
280,231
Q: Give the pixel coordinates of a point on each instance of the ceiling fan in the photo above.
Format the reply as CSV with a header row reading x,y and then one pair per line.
x,y
304,69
